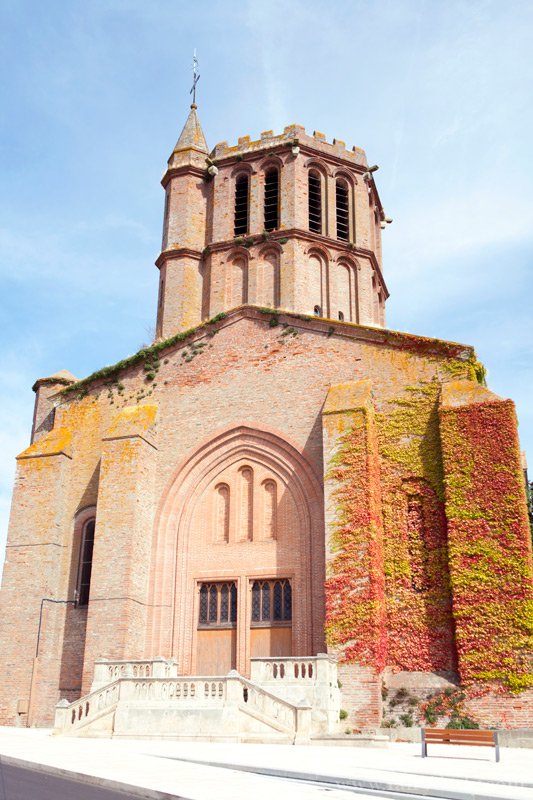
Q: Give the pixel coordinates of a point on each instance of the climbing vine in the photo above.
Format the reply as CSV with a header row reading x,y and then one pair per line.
x,y
418,598
490,551
354,585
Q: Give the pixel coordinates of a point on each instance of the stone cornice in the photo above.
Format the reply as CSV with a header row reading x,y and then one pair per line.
x,y
308,236
177,252
186,169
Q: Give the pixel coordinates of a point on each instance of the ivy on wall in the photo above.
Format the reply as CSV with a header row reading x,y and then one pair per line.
x,y
418,597
489,544
354,583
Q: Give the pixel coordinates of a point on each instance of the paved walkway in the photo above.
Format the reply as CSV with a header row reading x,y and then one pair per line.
x,y
203,771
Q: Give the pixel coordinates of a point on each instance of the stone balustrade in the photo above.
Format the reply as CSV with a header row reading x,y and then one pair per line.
x,y
186,690
70,717
294,698
309,681
106,671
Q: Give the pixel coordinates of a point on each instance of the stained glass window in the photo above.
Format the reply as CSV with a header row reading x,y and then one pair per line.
x,y
224,603
256,602
203,604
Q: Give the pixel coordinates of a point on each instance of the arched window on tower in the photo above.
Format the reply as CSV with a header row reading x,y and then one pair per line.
x,y
86,562
242,188
315,201
342,210
272,199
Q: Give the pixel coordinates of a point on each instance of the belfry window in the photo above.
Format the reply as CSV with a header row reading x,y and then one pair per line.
x,y
315,202
271,603
218,605
272,200
242,185
86,562
343,217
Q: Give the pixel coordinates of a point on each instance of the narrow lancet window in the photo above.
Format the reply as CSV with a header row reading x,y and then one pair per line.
x,y
241,205
247,504
86,563
343,220
222,513
315,203
270,502
272,200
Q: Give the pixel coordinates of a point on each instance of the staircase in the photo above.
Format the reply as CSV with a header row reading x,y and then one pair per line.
x,y
147,699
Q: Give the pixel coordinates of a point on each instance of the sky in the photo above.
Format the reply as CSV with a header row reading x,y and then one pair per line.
x,y
94,95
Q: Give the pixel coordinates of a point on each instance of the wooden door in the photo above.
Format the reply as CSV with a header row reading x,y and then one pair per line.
x,y
216,641
271,619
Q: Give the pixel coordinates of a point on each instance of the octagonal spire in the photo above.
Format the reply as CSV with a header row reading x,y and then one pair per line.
x,y
192,136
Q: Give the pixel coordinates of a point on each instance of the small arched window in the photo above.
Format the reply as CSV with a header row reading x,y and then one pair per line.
x,y
315,201
86,562
270,502
341,316
342,211
222,502
317,311
247,504
242,185
272,199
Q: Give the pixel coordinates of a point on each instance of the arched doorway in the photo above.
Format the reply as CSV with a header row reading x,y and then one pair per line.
x,y
238,565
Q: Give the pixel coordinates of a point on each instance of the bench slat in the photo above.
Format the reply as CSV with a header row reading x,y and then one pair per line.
x,y
463,736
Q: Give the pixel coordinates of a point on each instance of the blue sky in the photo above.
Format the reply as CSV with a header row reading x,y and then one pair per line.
x,y
94,95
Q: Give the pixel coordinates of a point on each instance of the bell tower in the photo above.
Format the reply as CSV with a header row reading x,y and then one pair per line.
x,y
289,221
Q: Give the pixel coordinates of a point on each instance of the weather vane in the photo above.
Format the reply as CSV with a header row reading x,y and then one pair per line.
x,y
195,77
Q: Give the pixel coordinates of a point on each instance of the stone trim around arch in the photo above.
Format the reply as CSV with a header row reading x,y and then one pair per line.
x,y
319,165
169,629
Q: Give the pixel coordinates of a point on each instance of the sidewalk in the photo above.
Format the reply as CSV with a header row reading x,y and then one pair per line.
x,y
202,771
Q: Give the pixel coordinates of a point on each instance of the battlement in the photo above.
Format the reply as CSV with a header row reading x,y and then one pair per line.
x,y
293,136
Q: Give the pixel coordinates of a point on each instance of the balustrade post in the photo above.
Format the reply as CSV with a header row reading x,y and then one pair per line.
x,y
61,716
302,724
234,688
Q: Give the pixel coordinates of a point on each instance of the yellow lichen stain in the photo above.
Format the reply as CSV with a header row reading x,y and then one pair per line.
x,y
133,420
465,392
347,396
58,440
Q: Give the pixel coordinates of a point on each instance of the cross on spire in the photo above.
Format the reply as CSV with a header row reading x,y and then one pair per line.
x,y
195,78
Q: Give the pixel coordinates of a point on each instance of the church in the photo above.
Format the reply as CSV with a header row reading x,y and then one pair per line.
x,y
280,510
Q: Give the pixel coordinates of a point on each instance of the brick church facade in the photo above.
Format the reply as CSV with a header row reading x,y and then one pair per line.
x,y
278,475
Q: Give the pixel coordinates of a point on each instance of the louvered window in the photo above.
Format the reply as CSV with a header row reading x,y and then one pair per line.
x,y
315,202
241,205
343,219
272,200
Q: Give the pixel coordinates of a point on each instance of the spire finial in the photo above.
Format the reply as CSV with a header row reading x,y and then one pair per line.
x,y
195,78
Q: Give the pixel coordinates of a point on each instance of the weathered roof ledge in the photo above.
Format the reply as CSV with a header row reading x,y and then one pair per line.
x,y
328,327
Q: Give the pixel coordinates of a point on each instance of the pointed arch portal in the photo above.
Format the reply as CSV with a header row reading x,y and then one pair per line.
x,y
241,519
